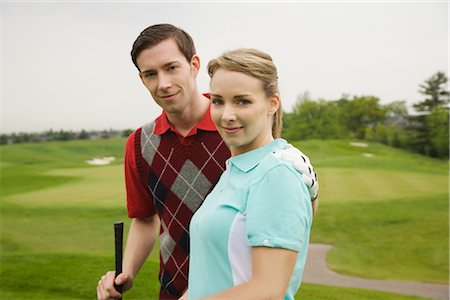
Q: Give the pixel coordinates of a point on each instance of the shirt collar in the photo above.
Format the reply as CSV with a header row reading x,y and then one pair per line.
x,y
247,161
162,124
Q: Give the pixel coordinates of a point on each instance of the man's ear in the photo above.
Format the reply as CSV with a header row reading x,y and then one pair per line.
x,y
195,65
274,103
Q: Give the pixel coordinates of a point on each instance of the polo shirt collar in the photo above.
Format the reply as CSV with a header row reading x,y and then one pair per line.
x,y
162,124
247,161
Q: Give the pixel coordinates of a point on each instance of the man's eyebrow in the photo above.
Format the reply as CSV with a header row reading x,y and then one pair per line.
x,y
147,71
164,66
171,63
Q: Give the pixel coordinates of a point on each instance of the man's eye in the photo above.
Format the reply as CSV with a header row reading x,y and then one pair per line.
x,y
171,68
149,75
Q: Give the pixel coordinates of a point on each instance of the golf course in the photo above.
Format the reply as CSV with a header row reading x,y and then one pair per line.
x,y
385,212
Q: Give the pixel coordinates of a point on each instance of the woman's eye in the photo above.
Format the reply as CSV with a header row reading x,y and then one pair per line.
x,y
216,101
242,101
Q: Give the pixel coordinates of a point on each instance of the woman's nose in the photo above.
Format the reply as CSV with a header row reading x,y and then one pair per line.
x,y
228,114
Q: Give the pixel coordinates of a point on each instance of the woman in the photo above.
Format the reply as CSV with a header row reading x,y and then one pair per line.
x,y
249,239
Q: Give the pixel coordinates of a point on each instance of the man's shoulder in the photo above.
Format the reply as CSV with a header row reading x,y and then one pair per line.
x,y
145,130
148,127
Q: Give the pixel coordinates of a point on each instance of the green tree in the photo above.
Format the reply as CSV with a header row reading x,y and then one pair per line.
x,y
360,113
63,135
126,132
395,124
83,135
312,120
429,128
436,92
396,110
3,139
438,127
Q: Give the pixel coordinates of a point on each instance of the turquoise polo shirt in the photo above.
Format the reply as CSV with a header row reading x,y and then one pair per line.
x,y
260,200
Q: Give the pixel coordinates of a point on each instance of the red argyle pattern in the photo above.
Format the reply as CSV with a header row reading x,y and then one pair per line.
x,y
182,172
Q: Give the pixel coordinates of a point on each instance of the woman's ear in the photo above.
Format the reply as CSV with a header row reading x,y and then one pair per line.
x,y
274,103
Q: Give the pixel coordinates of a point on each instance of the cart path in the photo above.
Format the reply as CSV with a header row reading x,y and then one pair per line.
x,y
317,271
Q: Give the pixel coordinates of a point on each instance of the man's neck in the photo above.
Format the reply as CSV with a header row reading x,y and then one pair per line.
x,y
186,120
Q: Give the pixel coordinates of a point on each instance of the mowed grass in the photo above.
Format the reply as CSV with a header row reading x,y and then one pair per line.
x,y
23,166
387,217
404,238
386,213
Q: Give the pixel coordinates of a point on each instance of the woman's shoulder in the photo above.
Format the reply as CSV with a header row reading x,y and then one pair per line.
x,y
272,165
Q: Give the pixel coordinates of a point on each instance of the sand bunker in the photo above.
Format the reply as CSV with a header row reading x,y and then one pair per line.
x,y
362,145
101,161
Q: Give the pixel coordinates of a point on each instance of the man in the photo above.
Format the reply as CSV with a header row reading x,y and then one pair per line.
x,y
171,164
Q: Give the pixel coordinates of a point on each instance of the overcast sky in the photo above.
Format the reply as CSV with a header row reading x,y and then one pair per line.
x,y
67,65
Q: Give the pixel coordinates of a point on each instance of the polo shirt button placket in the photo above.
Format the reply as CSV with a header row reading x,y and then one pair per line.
x,y
227,173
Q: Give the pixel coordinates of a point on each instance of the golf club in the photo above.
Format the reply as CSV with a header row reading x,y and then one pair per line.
x,y
118,237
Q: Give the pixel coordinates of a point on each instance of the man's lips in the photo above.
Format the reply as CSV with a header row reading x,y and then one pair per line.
x,y
168,96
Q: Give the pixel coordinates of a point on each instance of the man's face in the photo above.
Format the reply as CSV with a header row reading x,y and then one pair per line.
x,y
168,76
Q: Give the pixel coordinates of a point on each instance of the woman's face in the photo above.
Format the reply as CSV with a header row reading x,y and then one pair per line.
x,y
241,111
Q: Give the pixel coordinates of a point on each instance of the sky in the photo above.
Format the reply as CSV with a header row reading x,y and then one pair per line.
x,y
66,65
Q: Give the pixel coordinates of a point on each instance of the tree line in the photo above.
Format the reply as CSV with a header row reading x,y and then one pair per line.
x,y
425,131
61,135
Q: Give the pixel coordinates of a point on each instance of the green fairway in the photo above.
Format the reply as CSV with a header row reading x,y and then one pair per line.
x,y
94,187
23,166
316,292
386,214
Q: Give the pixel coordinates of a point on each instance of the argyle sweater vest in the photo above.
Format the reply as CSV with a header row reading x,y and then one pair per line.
x,y
180,172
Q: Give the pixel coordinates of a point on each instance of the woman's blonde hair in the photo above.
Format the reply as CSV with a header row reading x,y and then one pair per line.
x,y
256,64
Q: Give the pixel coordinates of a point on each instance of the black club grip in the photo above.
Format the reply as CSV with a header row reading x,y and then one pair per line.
x,y
118,238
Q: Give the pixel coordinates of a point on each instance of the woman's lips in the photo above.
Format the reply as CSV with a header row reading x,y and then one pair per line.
x,y
231,130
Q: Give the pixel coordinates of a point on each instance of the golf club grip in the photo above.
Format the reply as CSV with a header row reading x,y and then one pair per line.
x,y
118,238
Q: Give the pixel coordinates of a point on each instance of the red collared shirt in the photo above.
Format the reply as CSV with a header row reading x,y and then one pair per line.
x,y
162,124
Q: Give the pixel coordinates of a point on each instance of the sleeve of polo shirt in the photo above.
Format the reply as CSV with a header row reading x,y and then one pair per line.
x,y
139,199
277,211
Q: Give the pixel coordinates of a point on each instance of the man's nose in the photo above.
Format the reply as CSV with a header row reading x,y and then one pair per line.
x,y
164,82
